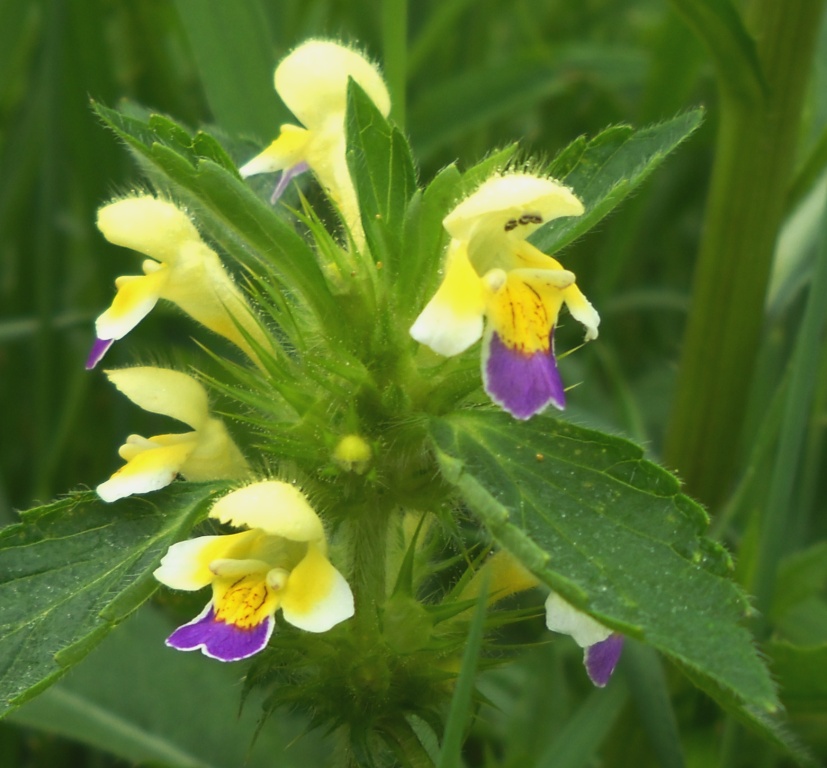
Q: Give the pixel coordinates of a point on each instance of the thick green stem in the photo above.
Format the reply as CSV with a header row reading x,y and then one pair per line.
x,y
368,553
755,154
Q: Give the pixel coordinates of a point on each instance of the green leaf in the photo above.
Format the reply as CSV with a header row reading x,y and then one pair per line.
x,y
603,171
424,237
612,533
383,174
74,569
89,706
423,243
241,96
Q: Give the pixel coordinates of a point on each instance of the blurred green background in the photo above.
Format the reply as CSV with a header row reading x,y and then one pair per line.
x,y
478,74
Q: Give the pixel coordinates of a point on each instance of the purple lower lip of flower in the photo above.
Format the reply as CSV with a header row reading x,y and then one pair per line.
x,y
522,384
99,349
287,175
601,658
220,640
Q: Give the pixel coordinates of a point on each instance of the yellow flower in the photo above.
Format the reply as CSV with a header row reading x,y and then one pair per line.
x,y
312,81
492,272
280,562
206,453
181,269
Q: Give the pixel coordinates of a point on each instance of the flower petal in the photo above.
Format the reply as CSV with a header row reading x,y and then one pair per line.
x,y
287,151
219,640
136,296
277,508
581,310
601,659
312,81
148,471
247,600
522,384
514,205
202,288
518,364
504,575
154,227
524,310
186,565
316,596
216,457
287,175
99,349
161,390
452,320
563,617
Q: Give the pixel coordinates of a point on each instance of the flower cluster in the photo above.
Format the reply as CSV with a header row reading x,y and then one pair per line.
x,y
496,287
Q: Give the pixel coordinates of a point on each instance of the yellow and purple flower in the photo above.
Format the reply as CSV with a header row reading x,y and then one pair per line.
x,y
492,272
279,563
601,646
504,575
206,453
181,268
312,81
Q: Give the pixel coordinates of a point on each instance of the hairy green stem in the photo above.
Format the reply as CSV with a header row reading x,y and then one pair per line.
x,y
754,159
368,553
395,53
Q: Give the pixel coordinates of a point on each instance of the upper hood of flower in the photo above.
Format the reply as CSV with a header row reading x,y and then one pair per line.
x,y
511,205
275,507
312,81
154,227
161,390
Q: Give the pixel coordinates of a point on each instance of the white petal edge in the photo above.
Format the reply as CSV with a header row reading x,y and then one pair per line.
x,y
110,325
444,331
563,617
120,486
262,163
581,309
333,609
182,567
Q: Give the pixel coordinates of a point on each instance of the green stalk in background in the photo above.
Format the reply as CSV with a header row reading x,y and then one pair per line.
x,y
759,115
780,506
395,53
